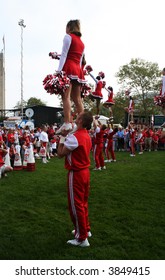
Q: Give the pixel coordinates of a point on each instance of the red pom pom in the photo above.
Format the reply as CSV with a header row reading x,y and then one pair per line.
x,y
159,100
54,55
85,72
127,92
89,68
56,83
101,74
85,90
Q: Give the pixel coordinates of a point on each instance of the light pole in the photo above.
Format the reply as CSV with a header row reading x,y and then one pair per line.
x,y
21,23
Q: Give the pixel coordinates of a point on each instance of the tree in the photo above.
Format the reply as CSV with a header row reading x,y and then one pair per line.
x,y
33,101
143,78
87,102
118,109
18,104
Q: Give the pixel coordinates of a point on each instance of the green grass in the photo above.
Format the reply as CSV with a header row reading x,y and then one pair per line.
x,y
126,209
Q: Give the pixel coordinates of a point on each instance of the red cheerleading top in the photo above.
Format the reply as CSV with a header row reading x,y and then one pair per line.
x,y
99,87
111,132
162,92
2,154
131,105
98,136
132,134
79,145
71,57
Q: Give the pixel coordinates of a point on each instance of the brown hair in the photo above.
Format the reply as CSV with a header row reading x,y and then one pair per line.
x,y
87,120
74,27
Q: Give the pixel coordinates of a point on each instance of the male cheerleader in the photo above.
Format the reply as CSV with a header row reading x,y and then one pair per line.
x,y
76,149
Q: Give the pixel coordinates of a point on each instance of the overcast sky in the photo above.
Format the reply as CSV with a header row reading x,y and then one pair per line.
x,y
114,32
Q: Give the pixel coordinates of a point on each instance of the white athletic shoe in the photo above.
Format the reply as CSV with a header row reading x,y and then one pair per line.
x,y
106,160
65,126
75,242
89,233
104,167
99,168
74,128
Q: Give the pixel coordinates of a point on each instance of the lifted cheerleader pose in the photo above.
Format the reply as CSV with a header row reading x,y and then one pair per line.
x,y
76,149
97,94
130,109
160,99
70,62
110,102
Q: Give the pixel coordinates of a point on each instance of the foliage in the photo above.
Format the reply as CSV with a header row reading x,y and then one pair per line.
x,y
126,210
87,102
143,78
18,104
33,101
118,109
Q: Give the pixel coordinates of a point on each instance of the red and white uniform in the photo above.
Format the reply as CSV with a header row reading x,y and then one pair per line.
x,y
2,154
44,138
2,163
147,133
132,133
109,147
110,100
10,138
159,100
97,94
140,138
162,92
71,57
131,106
98,147
77,162
155,138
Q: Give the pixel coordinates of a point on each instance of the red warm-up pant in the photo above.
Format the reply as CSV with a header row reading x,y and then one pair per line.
x,y
98,155
78,192
110,149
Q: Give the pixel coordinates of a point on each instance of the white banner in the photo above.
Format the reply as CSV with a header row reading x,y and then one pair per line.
x,y
82,270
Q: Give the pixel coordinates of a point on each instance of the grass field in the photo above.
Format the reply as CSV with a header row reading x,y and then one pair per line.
x,y
126,209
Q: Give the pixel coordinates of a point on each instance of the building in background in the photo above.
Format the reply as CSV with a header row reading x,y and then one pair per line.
x,y
33,116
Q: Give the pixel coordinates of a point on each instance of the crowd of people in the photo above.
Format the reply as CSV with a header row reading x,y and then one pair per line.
x,y
16,142
106,140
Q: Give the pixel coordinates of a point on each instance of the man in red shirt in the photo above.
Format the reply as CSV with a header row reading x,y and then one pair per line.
x,y
76,149
148,132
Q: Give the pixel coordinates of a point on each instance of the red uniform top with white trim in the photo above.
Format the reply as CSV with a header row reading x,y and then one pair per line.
x,y
80,145
98,135
71,57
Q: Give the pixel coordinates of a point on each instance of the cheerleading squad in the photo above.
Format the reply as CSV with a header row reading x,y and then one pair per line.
x,y
75,140
18,147
133,139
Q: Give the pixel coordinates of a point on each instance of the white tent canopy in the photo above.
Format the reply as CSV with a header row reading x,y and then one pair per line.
x,y
103,119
